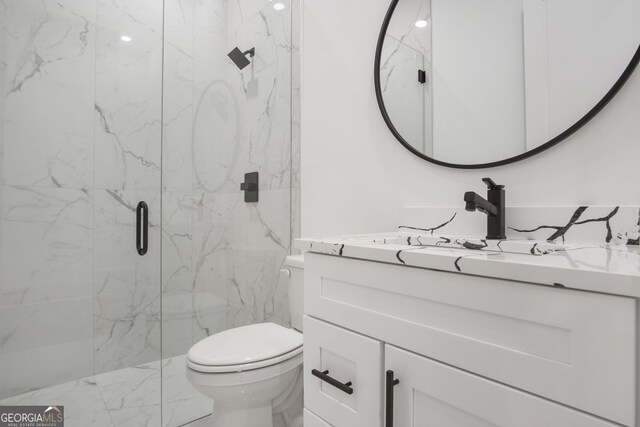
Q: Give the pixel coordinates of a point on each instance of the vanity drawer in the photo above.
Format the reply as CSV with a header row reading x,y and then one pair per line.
x,y
348,357
574,347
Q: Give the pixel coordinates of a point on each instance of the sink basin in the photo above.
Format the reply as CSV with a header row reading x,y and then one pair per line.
x,y
528,247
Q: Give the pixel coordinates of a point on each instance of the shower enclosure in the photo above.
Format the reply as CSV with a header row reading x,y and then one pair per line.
x,y
108,103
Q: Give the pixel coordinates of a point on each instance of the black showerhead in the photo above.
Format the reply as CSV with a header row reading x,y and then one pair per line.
x,y
240,58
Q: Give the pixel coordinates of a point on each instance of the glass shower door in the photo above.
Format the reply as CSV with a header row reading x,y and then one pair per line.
x,y
222,256
80,114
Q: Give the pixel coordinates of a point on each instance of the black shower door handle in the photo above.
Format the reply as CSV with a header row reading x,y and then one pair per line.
x,y
390,383
142,228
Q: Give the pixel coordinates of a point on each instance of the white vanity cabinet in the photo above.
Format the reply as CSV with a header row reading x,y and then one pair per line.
x,y
466,350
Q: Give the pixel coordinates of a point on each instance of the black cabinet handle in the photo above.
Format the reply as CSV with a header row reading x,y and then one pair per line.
x,y
324,376
391,382
142,228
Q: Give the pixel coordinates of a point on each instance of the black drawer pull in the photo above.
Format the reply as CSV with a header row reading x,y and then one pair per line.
x,y
391,382
324,376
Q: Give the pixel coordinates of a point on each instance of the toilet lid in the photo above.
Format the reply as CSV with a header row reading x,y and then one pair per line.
x,y
246,344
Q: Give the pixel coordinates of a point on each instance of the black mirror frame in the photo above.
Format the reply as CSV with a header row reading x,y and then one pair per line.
x,y
564,135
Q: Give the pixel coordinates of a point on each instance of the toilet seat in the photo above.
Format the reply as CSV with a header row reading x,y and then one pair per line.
x,y
244,366
245,348
243,378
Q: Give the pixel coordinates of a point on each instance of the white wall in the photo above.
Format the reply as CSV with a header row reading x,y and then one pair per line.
x,y
355,176
586,46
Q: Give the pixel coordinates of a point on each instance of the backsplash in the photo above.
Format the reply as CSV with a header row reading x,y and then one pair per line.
x,y
618,225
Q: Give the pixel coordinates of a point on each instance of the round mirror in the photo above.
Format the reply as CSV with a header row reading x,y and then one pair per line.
x,y
476,84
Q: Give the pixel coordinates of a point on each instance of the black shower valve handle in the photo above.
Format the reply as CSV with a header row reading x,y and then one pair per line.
x,y
248,186
251,187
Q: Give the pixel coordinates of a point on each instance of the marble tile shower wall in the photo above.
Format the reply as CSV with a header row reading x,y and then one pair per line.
x,y
221,256
81,145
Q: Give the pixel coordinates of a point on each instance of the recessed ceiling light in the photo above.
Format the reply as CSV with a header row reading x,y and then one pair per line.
x,y
125,38
279,6
421,23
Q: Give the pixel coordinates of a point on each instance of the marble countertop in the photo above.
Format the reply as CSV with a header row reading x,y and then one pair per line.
x,y
607,268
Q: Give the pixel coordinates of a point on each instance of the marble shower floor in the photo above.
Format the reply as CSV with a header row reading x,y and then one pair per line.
x,y
126,397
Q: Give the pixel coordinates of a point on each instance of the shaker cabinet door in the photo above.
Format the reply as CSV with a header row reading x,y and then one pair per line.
x,y
431,394
342,375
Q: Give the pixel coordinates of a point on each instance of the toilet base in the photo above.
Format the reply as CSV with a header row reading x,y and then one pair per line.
x,y
251,396
239,416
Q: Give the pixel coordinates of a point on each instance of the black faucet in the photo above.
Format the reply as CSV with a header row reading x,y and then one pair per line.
x,y
493,208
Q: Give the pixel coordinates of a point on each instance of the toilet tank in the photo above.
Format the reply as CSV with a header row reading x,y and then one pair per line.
x,y
295,264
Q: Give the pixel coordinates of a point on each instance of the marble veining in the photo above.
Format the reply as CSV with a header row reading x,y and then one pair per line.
x,y
594,249
576,220
531,247
566,224
46,278
600,268
124,397
126,292
407,49
128,95
49,63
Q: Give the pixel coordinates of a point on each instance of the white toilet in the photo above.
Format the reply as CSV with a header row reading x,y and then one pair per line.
x,y
254,372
